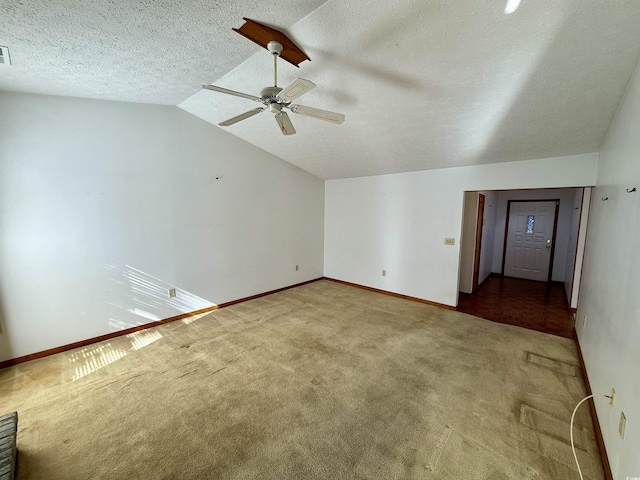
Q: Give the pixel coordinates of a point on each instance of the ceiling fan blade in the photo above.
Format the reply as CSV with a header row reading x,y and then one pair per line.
x,y
284,122
298,87
232,92
241,117
317,113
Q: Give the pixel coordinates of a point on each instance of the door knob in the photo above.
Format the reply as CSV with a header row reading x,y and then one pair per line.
x,y
548,243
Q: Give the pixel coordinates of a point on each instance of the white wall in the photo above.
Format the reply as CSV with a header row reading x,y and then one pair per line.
x,y
566,197
105,205
573,242
579,257
610,290
575,252
468,241
488,235
468,238
399,222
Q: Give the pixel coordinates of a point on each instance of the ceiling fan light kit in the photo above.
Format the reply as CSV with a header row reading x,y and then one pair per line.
x,y
275,98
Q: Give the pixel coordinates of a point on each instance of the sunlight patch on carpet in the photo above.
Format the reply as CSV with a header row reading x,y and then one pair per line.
x,y
143,338
92,359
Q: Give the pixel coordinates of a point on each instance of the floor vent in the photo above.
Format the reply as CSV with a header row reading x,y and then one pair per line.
x,y
552,426
553,364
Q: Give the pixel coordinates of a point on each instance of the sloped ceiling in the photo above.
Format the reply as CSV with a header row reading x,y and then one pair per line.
x,y
423,84
149,51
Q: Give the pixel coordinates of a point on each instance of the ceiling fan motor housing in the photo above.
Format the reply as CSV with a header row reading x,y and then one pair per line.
x,y
269,95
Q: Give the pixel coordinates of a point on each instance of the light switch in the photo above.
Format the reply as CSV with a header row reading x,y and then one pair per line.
x,y
449,241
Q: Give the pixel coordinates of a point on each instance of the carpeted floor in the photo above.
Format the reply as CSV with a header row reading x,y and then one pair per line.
x,y
323,381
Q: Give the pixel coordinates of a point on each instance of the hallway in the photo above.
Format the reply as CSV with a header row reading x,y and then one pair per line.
x,y
534,305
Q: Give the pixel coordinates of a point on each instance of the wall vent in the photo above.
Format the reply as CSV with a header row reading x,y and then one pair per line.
x,y
5,59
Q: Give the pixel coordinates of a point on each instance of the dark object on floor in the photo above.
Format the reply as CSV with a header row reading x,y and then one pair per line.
x,y
8,449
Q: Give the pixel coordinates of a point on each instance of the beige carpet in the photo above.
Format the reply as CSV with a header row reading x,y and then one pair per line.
x,y
323,381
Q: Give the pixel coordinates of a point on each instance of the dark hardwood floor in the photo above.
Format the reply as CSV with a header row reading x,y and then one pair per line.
x,y
534,305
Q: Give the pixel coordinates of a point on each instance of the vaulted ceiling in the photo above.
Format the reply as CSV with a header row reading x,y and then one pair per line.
x,y
423,84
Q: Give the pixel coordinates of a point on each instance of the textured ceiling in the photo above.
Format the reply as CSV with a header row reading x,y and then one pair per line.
x,y
150,51
423,84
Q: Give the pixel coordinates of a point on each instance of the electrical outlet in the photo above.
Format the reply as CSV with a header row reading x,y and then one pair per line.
x,y
172,292
449,241
612,400
623,424
384,273
297,267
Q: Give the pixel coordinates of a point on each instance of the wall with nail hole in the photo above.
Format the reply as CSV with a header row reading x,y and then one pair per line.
x,y
105,206
608,317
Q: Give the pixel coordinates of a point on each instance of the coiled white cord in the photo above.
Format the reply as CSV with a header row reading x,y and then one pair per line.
x,y
572,445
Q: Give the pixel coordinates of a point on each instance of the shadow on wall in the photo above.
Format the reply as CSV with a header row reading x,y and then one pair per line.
x,y
140,298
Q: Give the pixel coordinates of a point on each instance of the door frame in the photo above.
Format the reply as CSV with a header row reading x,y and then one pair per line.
x,y
478,245
553,237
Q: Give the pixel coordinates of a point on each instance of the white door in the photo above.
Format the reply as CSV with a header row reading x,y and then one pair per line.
x,y
529,240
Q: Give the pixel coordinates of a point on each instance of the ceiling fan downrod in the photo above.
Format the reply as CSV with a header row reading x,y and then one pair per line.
x,y
275,48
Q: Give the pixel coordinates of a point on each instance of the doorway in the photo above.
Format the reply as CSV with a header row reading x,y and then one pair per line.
x,y
530,239
540,294
476,249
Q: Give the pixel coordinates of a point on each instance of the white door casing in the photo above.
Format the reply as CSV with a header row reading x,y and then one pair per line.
x,y
530,240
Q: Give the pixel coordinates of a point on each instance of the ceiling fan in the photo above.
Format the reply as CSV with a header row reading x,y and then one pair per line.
x,y
275,99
